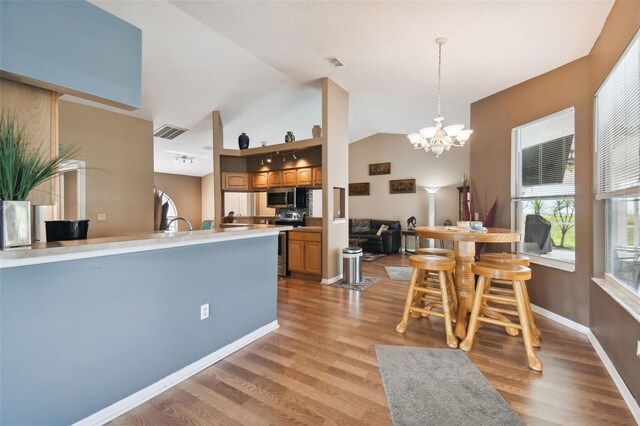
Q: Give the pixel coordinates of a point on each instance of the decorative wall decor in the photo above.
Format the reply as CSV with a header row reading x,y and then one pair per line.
x,y
379,169
402,186
359,188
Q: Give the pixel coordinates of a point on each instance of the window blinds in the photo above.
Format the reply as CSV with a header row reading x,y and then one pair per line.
x,y
545,157
617,127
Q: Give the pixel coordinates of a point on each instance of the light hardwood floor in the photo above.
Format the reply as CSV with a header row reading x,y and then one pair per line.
x,y
319,367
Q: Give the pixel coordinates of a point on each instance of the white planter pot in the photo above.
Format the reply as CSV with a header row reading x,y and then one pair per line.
x,y
15,223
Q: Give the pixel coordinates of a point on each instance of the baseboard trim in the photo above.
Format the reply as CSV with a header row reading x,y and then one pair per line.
x,y
631,402
560,319
111,412
331,280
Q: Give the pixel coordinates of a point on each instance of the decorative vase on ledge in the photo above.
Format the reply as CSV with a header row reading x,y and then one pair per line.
x,y
243,141
289,137
15,223
316,131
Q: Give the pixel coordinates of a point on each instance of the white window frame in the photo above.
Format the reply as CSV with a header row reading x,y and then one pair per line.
x,y
516,201
608,278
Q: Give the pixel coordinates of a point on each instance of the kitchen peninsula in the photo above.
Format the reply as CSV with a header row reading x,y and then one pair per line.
x,y
91,328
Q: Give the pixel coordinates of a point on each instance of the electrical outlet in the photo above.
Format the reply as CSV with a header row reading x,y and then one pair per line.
x,y
102,216
204,311
638,349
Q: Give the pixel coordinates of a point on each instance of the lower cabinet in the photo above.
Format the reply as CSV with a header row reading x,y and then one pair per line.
x,y
305,252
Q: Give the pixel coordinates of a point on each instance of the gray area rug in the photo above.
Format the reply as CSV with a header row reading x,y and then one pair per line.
x,y
439,387
361,286
399,273
370,257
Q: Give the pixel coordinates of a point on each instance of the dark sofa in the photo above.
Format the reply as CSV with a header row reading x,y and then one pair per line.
x,y
389,242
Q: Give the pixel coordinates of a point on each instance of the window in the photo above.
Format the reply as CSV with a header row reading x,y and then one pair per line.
x,y
172,212
617,140
543,188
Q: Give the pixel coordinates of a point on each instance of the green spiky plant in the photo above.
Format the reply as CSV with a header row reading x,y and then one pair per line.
x,y
22,168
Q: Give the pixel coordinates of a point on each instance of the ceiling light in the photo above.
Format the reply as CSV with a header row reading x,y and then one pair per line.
x,y
262,161
268,159
183,158
437,139
294,156
284,157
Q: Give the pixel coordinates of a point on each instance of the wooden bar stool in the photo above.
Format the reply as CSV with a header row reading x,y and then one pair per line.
x,y
430,291
516,275
512,259
451,255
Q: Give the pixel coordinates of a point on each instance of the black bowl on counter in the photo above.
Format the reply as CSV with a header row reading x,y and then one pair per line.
x,y
65,230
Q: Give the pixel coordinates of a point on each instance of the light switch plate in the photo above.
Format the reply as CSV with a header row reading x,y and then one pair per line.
x,y
204,311
102,216
638,349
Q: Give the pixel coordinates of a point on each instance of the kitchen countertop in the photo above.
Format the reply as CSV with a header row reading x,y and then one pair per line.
x,y
94,247
307,229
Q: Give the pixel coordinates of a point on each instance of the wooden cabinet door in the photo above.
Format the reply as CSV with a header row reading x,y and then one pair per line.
x,y
317,176
313,257
235,181
259,180
296,256
274,179
289,177
305,177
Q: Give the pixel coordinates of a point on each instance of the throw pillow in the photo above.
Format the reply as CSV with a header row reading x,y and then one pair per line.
x,y
360,226
382,229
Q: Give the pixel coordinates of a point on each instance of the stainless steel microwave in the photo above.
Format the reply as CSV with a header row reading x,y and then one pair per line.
x,y
291,198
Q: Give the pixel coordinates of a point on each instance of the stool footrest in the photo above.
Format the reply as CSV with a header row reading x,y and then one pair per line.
x,y
500,323
500,299
426,311
502,291
428,291
500,310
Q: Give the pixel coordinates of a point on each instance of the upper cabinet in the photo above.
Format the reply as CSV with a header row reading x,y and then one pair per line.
x,y
235,181
259,180
290,177
305,176
274,179
317,176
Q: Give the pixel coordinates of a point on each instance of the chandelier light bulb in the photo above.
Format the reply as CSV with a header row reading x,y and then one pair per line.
x,y
438,139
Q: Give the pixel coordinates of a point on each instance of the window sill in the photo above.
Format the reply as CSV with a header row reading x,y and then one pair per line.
x,y
550,263
620,295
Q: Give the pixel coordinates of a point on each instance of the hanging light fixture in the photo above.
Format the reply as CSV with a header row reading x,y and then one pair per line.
x,y
438,139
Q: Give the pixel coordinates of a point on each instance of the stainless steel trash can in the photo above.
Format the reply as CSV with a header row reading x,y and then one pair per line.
x,y
352,265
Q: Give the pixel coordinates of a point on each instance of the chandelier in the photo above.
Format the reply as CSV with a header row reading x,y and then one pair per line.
x,y
438,139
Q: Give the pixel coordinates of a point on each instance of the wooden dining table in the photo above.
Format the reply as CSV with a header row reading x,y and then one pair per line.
x,y
464,246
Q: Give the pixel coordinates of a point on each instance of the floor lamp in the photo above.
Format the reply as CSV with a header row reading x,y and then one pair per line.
x,y
432,210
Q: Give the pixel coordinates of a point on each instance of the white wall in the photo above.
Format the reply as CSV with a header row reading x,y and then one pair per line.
x,y
406,163
207,197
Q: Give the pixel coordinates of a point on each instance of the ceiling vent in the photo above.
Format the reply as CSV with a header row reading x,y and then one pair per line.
x,y
335,62
168,132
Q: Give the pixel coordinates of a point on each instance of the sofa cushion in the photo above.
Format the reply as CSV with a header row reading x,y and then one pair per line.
x,y
360,226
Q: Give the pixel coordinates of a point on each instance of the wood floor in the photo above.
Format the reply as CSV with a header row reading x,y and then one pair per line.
x,y
319,367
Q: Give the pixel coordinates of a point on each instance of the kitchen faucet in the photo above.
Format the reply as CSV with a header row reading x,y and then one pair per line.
x,y
179,218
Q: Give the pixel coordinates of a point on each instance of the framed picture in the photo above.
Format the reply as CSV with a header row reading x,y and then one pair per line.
x,y
359,188
402,186
379,169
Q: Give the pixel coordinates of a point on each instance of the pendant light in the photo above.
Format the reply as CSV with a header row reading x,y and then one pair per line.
x,y
438,139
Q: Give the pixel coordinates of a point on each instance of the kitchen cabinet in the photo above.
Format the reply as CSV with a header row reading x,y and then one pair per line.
x,y
274,179
305,252
235,181
305,176
259,180
317,176
289,178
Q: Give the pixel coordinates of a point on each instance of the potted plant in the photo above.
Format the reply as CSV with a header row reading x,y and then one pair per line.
x,y
22,168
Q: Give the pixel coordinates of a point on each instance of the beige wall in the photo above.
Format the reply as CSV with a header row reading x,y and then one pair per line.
x,y
571,295
207,212
36,110
335,174
445,172
186,193
118,151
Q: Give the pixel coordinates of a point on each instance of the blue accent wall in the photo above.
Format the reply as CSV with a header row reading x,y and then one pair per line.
x,y
80,335
72,44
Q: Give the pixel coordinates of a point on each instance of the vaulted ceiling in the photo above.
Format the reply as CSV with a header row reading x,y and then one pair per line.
x,y
258,62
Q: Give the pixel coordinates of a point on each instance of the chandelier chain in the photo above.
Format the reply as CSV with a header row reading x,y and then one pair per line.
x,y
439,78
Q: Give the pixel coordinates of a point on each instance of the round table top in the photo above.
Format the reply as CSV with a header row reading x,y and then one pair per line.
x,y
493,235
